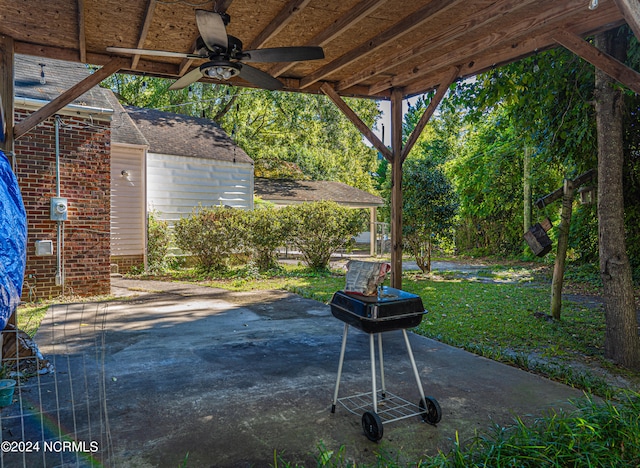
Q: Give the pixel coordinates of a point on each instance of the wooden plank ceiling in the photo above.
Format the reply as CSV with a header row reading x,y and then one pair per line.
x,y
371,46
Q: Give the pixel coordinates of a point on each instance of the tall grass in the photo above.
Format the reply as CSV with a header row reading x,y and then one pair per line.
x,y
594,434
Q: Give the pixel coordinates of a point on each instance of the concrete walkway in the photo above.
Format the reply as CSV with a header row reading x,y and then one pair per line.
x,y
175,372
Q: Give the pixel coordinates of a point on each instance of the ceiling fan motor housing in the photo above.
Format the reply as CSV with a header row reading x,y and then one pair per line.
x,y
220,69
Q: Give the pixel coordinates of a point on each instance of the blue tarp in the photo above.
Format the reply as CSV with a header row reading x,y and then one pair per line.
x,y
13,241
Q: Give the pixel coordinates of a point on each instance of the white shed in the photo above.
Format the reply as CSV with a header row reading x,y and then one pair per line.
x,y
190,162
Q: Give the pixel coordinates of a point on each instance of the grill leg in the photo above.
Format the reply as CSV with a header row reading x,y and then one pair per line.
x,y
372,352
384,389
413,364
344,345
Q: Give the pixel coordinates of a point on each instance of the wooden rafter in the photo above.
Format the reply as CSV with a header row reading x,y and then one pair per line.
x,y
68,96
146,24
280,21
353,117
631,11
431,108
82,41
399,29
526,28
433,39
609,65
346,21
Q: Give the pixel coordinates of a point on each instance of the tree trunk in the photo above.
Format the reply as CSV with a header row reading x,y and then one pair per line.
x,y
622,343
526,188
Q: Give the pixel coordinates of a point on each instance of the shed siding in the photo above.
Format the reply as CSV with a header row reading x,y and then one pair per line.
x,y
128,201
178,184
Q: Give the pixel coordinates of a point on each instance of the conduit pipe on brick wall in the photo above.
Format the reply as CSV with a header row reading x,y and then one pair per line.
x,y
60,224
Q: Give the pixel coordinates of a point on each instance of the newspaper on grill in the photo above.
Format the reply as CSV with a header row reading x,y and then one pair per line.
x,y
365,277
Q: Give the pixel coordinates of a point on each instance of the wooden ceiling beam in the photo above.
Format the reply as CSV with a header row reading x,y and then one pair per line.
x,y
609,65
146,24
510,52
346,21
68,96
356,120
82,40
527,27
428,112
631,11
284,17
434,39
402,27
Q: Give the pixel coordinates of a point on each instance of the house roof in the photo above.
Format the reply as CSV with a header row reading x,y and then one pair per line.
x,y
181,135
123,129
59,77
371,46
290,192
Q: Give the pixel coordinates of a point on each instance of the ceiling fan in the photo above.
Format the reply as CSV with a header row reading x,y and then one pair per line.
x,y
225,57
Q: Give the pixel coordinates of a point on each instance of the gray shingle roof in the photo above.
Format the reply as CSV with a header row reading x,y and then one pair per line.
x,y
176,134
59,75
298,191
123,130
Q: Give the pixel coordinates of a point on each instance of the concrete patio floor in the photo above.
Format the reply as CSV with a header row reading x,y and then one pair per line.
x,y
176,373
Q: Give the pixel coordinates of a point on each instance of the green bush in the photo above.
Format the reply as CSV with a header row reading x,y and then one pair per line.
x,y
267,229
158,240
319,229
211,235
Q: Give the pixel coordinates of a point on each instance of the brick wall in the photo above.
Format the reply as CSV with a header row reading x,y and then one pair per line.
x,y
85,182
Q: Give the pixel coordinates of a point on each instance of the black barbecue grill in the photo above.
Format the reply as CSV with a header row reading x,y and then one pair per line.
x,y
391,309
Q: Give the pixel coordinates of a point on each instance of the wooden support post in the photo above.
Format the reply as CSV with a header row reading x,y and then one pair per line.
x,y
7,92
6,101
563,242
372,231
396,189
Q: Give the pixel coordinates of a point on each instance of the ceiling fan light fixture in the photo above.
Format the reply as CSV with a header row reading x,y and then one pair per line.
x,y
220,70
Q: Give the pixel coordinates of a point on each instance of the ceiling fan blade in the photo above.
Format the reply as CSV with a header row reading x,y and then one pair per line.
x,y
283,54
158,53
212,29
260,78
191,77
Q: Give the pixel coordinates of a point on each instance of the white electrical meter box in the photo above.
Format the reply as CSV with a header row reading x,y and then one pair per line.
x,y
58,209
44,247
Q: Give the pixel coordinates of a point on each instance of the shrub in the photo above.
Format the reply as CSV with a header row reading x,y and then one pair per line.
x,y
319,229
266,230
158,240
211,235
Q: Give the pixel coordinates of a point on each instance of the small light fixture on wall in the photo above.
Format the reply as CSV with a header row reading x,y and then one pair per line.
x,y
43,79
125,174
